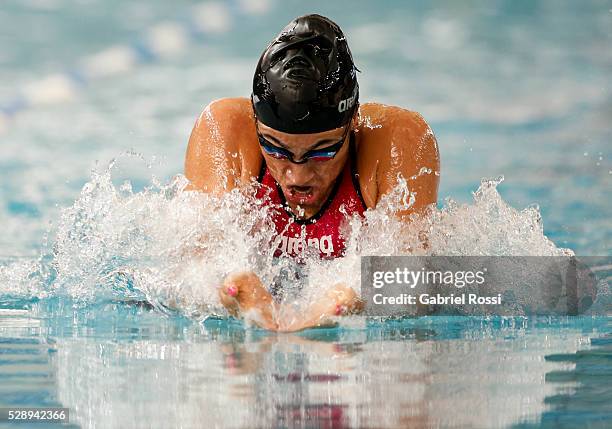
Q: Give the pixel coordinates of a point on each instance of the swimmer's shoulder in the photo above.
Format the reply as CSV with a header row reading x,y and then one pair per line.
x,y
390,138
223,145
230,121
378,120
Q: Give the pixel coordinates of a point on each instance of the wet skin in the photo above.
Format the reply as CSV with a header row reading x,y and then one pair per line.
x,y
224,153
243,293
306,186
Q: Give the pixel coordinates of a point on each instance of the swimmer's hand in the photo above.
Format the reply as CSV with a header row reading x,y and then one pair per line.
x,y
340,300
244,295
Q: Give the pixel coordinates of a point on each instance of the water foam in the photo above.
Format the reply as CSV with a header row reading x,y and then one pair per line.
x,y
173,248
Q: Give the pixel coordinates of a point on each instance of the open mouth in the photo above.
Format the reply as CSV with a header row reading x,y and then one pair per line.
x,y
300,194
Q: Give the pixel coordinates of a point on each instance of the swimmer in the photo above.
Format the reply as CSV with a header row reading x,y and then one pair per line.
x,y
304,136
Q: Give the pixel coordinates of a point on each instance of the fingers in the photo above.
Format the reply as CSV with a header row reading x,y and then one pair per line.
x,y
242,277
359,305
227,296
340,293
347,300
231,290
352,308
340,310
228,292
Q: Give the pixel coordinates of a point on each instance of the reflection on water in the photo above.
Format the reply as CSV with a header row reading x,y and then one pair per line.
x,y
589,404
135,368
27,373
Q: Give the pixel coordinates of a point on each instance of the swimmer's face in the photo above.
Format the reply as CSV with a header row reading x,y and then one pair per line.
x,y
308,183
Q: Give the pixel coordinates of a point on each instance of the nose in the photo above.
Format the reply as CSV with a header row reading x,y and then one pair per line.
x,y
298,175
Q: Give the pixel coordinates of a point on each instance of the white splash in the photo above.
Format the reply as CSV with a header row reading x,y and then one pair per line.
x,y
173,248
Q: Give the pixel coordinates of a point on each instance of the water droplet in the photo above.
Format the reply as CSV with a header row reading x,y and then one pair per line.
x,y
586,154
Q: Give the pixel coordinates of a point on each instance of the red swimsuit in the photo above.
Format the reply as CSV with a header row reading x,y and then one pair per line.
x,y
321,231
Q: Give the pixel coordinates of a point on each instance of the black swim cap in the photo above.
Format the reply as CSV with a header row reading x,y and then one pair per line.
x,y
306,80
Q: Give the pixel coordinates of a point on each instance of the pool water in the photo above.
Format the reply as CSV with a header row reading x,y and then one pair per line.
x,y
94,222
126,366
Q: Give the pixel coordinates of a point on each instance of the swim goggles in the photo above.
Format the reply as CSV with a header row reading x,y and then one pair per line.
x,y
318,155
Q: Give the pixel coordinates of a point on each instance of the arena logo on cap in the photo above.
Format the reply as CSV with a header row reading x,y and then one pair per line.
x,y
347,103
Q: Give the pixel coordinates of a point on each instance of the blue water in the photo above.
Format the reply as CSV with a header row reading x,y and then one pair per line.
x,y
518,89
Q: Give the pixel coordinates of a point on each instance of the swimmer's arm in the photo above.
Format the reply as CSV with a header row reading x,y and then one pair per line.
x,y
243,294
410,151
220,156
339,300
320,314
